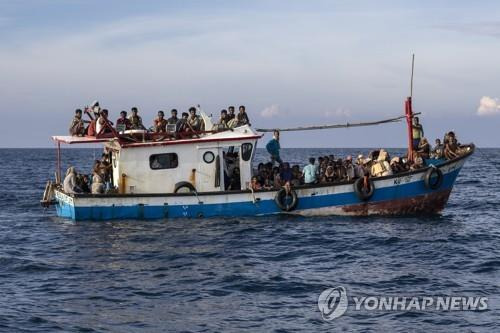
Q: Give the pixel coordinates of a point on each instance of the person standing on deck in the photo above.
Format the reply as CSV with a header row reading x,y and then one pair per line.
x,y
418,132
310,172
273,147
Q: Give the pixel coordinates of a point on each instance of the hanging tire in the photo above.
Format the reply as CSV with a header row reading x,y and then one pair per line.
x,y
362,194
184,187
286,201
433,178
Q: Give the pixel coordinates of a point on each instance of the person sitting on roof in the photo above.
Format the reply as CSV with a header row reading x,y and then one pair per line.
x,y
69,183
194,120
242,117
160,123
438,151
182,125
221,125
231,114
424,148
173,119
310,172
123,123
418,132
136,120
77,127
101,123
273,148
95,109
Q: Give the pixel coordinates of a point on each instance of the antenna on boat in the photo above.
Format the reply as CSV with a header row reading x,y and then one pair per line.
x,y
411,80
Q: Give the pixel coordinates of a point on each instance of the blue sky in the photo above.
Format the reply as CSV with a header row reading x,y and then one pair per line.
x,y
290,62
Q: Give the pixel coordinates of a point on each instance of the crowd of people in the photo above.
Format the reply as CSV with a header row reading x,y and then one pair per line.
x,y
189,122
99,182
272,175
329,169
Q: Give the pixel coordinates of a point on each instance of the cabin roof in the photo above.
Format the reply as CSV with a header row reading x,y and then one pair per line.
x,y
237,134
79,139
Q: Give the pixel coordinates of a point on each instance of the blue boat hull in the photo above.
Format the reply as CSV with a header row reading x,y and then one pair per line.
x,y
395,195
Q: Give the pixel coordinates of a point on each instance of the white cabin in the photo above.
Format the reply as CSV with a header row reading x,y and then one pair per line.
x,y
205,162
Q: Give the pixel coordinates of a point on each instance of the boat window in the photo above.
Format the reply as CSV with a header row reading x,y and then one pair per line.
x,y
246,151
163,161
208,157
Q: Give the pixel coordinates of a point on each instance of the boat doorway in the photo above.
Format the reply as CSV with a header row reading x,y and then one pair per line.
x,y
231,167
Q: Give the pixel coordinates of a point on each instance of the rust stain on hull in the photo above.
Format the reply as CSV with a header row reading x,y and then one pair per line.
x,y
430,203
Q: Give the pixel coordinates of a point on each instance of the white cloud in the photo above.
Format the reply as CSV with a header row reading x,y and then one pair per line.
x,y
338,113
488,106
270,111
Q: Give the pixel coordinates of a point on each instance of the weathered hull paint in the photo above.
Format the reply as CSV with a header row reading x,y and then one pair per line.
x,y
397,195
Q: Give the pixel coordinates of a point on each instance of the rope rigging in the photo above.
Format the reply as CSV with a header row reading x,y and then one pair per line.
x,y
347,125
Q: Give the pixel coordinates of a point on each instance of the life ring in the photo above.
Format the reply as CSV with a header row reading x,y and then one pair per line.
x,y
359,190
433,185
182,186
283,201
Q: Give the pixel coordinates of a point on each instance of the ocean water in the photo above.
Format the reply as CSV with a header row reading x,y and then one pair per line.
x,y
241,274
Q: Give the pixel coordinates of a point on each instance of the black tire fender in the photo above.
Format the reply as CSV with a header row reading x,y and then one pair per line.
x,y
280,197
181,185
433,185
358,189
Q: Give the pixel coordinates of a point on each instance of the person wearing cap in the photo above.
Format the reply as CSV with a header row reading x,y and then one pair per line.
x,y
173,117
273,148
160,123
77,126
123,123
135,120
